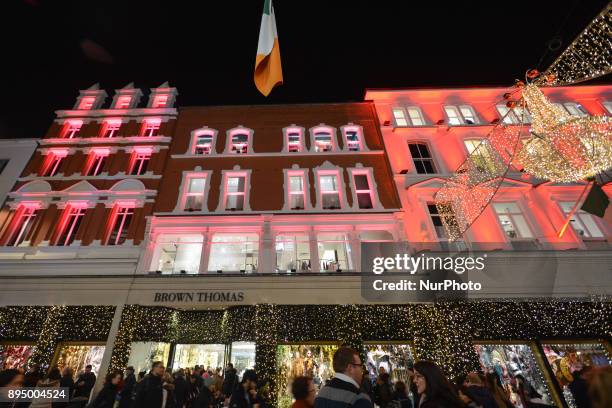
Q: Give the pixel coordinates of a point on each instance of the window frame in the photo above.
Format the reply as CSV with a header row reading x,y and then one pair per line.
x,y
184,189
579,215
135,158
122,210
512,216
320,128
360,136
286,143
120,102
429,205
359,170
17,231
71,128
94,154
230,144
109,124
328,169
205,130
460,115
225,176
154,130
84,102
293,172
72,218
431,156
48,169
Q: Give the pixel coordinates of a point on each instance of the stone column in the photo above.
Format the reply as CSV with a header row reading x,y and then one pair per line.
x,y
205,256
315,266
108,351
266,262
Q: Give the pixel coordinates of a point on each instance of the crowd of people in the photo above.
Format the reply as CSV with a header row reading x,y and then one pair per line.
x,y
349,388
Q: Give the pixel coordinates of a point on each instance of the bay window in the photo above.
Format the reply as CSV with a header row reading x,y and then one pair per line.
x,y
176,253
292,253
234,252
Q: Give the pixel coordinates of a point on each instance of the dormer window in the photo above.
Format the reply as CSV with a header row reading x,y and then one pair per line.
x,y
96,162
160,101
294,139
110,128
71,129
87,102
353,138
323,142
150,127
123,102
460,115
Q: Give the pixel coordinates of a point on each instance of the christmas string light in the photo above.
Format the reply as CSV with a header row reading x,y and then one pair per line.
x,y
563,148
588,56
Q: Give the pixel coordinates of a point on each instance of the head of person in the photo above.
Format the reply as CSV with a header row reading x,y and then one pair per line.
x,y
467,395
303,389
473,379
431,381
600,384
54,374
249,380
88,368
400,388
141,375
230,366
129,371
158,368
113,378
11,378
381,370
347,361
67,372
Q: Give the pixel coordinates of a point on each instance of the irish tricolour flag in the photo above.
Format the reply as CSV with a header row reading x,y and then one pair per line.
x,y
268,71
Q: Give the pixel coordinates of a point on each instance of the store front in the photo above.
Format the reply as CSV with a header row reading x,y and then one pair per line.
x,y
144,353
569,359
204,355
242,356
77,356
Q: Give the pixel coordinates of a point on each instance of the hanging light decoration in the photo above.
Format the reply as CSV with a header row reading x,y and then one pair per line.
x,y
563,148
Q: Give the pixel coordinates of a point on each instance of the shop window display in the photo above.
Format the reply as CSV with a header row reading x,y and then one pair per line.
x,y
15,355
190,355
393,359
510,362
144,353
242,356
293,361
77,357
569,359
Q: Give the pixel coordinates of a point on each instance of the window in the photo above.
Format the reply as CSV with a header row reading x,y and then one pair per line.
x,y
481,156
234,252
460,115
583,223
513,116
353,139
437,220
150,127
512,221
123,102
120,225
235,192
176,253
194,197
71,129
71,221
97,161
423,162
363,190
334,252
140,162
297,192
87,102
160,101
411,116
239,143
608,106
323,140
52,163
400,117
572,108
110,128
294,139
3,164
292,253
330,194
23,225
203,144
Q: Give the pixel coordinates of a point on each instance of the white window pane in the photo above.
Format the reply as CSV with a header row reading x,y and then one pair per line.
x,y
196,185
415,116
506,208
591,225
235,184
453,115
296,184
328,183
522,226
400,117
468,114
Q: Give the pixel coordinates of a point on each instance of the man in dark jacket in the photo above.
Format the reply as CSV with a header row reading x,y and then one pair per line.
x,y
475,384
343,390
180,388
85,383
245,395
149,392
128,388
230,380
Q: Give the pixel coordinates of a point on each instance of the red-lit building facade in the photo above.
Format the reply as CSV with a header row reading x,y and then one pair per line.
x,y
428,134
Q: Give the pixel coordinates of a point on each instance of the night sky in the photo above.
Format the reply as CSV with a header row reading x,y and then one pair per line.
x,y
331,50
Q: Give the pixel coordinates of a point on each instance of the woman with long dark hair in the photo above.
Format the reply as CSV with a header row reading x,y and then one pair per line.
x,y
435,391
108,394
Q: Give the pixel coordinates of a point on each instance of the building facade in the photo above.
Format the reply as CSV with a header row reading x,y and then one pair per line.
x,y
15,155
202,235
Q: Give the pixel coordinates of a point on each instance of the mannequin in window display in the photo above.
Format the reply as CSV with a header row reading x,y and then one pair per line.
x,y
310,365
